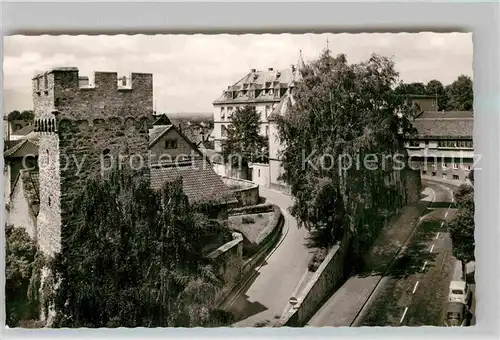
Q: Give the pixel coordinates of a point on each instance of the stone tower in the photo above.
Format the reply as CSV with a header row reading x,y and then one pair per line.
x,y
80,126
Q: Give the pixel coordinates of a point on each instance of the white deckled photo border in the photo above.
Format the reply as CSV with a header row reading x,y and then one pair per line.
x,y
482,19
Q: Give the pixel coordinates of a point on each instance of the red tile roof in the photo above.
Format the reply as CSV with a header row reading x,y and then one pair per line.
x,y
200,182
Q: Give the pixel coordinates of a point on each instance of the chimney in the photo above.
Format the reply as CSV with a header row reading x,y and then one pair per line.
x,y
253,70
83,81
270,69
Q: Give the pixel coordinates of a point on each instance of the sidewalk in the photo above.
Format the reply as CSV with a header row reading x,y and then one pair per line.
x,y
343,306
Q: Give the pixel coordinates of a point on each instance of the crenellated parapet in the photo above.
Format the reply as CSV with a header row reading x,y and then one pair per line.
x,y
62,93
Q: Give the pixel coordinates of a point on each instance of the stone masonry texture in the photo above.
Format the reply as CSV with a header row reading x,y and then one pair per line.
x,y
77,126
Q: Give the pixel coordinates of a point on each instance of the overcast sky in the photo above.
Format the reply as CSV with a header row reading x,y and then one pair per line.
x,y
191,71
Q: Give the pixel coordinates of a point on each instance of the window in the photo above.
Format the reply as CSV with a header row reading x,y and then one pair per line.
x,y
38,83
424,172
444,165
45,82
267,131
230,112
414,143
50,201
106,157
171,144
445,176
426,143
455,166
223,131
222,112
455,177
467,167
258,172
433,174
268,110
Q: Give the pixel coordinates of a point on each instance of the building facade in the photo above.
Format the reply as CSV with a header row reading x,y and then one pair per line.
x,y
266,91
443,148
79,126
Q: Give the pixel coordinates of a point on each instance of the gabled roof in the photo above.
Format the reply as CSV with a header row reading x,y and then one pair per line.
x,y
200,182
23,148
24,131
283,106
162,120
156,132
155,136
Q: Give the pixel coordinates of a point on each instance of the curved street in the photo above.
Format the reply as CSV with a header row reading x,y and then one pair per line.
x,y
261,300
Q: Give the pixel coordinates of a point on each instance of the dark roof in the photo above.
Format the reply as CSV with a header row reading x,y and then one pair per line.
x,y
8,144
156,132
24,131
200,182
281,108
162,120
446,114
259,80
23,148
444,128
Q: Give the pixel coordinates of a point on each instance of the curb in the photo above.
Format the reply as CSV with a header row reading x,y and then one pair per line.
x,y
252,272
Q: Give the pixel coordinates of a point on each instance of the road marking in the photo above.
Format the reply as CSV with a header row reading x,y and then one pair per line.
x,y
403,317
437,236
423,267
432,248
415,288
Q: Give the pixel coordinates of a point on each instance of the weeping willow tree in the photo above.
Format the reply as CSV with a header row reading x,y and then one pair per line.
x,y
134,259
343,137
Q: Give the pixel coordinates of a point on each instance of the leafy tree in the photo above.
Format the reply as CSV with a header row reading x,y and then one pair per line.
x,y
244,143
411,88
461,227
471,176
436,88
134,258
28,115
460,94
344,109
20,254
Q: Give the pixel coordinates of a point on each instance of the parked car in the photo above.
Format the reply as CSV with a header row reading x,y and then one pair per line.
x,y
459,292
457,315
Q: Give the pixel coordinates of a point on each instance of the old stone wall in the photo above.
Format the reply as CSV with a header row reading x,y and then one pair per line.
x,y
246,192
83,131
229,257
327,278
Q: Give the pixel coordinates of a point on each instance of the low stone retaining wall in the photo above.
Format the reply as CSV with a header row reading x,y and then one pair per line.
x,y
229,257
253,209
324,281
246,269
247,192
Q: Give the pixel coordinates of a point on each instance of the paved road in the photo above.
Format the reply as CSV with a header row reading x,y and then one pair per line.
x,y
416,288
348,302
262,300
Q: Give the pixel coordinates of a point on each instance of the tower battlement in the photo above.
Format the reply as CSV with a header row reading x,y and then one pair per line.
x,y
63,94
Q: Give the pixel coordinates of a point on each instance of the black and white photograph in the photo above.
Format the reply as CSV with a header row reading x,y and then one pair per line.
x,y
239,180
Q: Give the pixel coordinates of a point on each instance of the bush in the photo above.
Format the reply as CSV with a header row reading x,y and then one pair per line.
x,y
317,259
247,220
20,268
